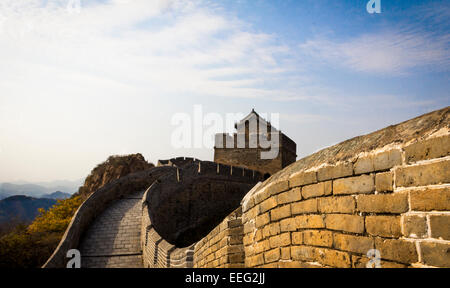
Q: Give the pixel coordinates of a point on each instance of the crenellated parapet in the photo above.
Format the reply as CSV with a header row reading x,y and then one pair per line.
x,y
177,162
186,203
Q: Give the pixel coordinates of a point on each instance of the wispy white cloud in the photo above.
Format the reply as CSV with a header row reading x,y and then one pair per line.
x,y
389,52
190,49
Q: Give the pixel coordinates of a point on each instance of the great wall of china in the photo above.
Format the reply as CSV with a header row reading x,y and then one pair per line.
x,y
388,191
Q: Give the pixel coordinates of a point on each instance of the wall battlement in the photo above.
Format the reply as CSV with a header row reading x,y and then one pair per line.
x,y
187,202
177,162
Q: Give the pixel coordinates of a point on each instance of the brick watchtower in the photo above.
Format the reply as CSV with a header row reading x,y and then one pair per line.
x,y
248,147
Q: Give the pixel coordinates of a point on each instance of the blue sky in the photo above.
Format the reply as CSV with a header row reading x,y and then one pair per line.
x,y
78,87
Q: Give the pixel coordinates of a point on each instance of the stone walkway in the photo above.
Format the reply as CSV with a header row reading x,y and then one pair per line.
x,y
113,240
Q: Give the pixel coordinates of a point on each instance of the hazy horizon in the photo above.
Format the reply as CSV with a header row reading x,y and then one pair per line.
x,y
106,78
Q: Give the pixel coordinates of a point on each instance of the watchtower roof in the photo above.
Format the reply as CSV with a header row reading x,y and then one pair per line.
x,y
253,115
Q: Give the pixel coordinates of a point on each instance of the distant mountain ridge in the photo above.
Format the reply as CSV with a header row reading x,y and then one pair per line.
x,y
57,195
22,208
38,190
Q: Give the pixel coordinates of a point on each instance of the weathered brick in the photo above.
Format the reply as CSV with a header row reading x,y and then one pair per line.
x,y
280,240
354,185
356,244
384,182
278,187
285,253
292,195
429,149
305,206
440,226
415,226
258,235
261,246
272,255
318,238
249,227
288,224
224,242
309,221
387,159
303,253
297,238
344,222
271,229
383,203
424,174
435,254
385,226
345,204
280,212
250,214
397,250
247,205
303,178
232,223
262,220
239,230
261,195
334,172
430,199
267,204
254,260
235,239
315,190
333,258
363,165
248,239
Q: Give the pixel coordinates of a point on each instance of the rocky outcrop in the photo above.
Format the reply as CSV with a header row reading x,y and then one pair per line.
x,y
113,168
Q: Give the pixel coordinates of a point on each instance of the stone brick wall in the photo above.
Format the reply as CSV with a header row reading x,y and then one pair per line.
x,y
157,252
395,200
223,246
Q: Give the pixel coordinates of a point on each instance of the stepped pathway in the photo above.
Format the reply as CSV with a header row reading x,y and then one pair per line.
x,y
113,239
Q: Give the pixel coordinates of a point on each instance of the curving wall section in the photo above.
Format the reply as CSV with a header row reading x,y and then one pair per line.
x,y
184,205
95,204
